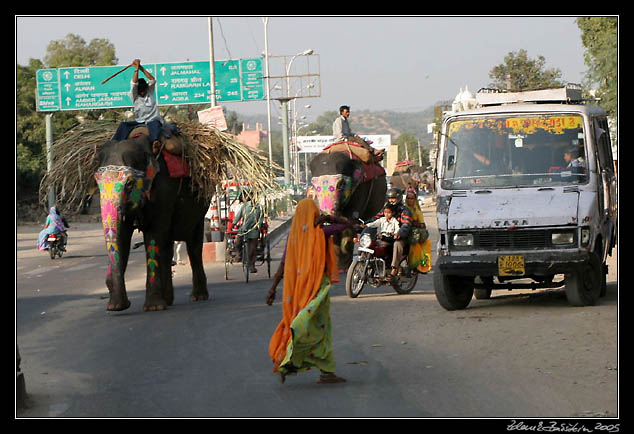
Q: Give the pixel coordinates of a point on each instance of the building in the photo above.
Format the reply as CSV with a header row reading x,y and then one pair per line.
x,y
252,138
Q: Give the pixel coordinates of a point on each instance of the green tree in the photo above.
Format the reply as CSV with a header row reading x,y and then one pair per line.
x,y
30,125
599,36
73,51
519,72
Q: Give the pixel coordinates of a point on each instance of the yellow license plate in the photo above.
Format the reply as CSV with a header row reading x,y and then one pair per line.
x,y
511,265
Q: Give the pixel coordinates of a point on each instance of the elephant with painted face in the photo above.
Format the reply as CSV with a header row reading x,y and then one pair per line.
x,y
345,186
137,191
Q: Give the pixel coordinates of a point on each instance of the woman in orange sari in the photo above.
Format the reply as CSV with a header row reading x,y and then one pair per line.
x,y
303,339
419,258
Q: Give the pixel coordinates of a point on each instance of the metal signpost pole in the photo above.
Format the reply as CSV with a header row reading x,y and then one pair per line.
x,y
212,74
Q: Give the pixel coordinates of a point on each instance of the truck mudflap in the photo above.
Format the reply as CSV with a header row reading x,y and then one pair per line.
x,y
535,264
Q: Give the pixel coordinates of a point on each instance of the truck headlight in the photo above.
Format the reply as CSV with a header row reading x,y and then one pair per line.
x,y
462,240
561,238
365,241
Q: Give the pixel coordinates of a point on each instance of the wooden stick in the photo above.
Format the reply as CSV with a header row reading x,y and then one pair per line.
x,y
116,73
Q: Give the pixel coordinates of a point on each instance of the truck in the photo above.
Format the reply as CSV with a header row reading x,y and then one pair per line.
x,y
526,197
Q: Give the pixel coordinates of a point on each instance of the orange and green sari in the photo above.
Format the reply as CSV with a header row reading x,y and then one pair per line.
x,y
303,339
419,257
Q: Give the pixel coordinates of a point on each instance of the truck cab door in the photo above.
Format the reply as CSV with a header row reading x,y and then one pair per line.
x,y
607,182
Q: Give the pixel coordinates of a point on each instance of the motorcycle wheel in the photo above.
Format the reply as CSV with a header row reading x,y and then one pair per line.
x,y
52,250
355,279
405,285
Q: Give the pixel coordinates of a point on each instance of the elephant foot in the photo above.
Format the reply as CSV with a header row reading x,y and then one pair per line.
x,y
154,308
115,307
200,294
153,304
198,297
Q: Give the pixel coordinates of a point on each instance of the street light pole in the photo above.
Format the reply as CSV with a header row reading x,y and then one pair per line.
x,y
285,110
265,20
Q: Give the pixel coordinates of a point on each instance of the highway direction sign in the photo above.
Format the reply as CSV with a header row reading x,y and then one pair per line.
x,y
80,88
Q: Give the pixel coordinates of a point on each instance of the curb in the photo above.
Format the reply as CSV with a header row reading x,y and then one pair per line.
x,y
215,251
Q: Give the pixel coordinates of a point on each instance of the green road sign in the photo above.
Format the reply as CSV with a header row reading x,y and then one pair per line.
x,y
80,88
47,90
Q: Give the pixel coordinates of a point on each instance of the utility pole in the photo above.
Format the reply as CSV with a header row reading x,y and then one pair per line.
x,y
265,20
212,72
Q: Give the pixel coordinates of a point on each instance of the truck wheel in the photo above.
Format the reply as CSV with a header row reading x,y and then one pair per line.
x,y
453,292
583,286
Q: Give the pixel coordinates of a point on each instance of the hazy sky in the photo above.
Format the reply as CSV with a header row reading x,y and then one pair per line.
x,y
377,63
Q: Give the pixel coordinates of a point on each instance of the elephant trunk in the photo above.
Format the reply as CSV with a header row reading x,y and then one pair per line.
x,y
121,196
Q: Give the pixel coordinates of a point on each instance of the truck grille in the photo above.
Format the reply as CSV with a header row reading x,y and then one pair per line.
x,y
510,240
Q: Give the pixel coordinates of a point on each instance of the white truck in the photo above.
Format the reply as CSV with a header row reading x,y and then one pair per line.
x,y
526,197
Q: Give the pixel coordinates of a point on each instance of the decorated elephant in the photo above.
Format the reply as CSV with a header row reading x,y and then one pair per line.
x,y
346,186
139,191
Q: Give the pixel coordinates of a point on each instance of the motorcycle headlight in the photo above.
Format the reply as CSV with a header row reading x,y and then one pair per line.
x,y
365,241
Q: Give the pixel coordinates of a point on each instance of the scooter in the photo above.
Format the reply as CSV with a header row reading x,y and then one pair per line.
x,y
56,246
372,266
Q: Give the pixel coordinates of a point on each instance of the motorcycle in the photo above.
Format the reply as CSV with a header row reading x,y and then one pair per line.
x,y
56,245
372,266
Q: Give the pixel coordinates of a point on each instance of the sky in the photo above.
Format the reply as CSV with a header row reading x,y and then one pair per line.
x,y
397,63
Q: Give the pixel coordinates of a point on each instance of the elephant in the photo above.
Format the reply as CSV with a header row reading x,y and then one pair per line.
x,y
137,191
345,186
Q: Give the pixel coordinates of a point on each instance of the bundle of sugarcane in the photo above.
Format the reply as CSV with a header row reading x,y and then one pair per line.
x,y
216,157
213,157
75,163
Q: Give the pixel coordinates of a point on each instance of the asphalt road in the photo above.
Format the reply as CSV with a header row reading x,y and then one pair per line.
x,y
526,355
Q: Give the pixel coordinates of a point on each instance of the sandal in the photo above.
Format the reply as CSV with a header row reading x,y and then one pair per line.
x,y
330,378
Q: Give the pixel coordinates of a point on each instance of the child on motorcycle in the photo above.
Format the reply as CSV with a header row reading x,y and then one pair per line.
x,y
387,225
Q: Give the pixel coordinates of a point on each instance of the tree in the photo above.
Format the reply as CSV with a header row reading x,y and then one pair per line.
x,y
30,128
599,36
73,51
519,72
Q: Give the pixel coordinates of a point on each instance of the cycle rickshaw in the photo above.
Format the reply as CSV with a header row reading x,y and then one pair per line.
x,y
236,251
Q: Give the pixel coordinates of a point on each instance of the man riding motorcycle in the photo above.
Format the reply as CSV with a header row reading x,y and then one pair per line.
x,y
404,218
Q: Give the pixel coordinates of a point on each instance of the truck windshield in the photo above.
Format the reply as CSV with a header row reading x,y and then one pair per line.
x,y
510,151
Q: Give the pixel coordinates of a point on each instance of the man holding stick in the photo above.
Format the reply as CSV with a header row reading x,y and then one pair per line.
x,y
145,107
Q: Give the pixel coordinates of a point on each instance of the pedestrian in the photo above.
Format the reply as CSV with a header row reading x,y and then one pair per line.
x,y
178,252
303,338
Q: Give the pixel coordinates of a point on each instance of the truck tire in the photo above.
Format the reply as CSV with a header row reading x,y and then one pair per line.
x,y
453,292
583,286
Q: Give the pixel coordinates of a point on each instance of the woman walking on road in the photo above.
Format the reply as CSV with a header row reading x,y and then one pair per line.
x,y
303,339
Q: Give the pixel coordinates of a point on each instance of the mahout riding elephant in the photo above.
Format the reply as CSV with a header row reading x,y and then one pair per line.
x,y
345,186
138,192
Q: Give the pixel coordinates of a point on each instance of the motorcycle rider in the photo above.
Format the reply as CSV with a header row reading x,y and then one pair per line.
x,y
55,223
404,218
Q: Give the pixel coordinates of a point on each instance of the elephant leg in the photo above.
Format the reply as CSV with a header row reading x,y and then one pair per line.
x,y
195,252
343,250
156,280
118,247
